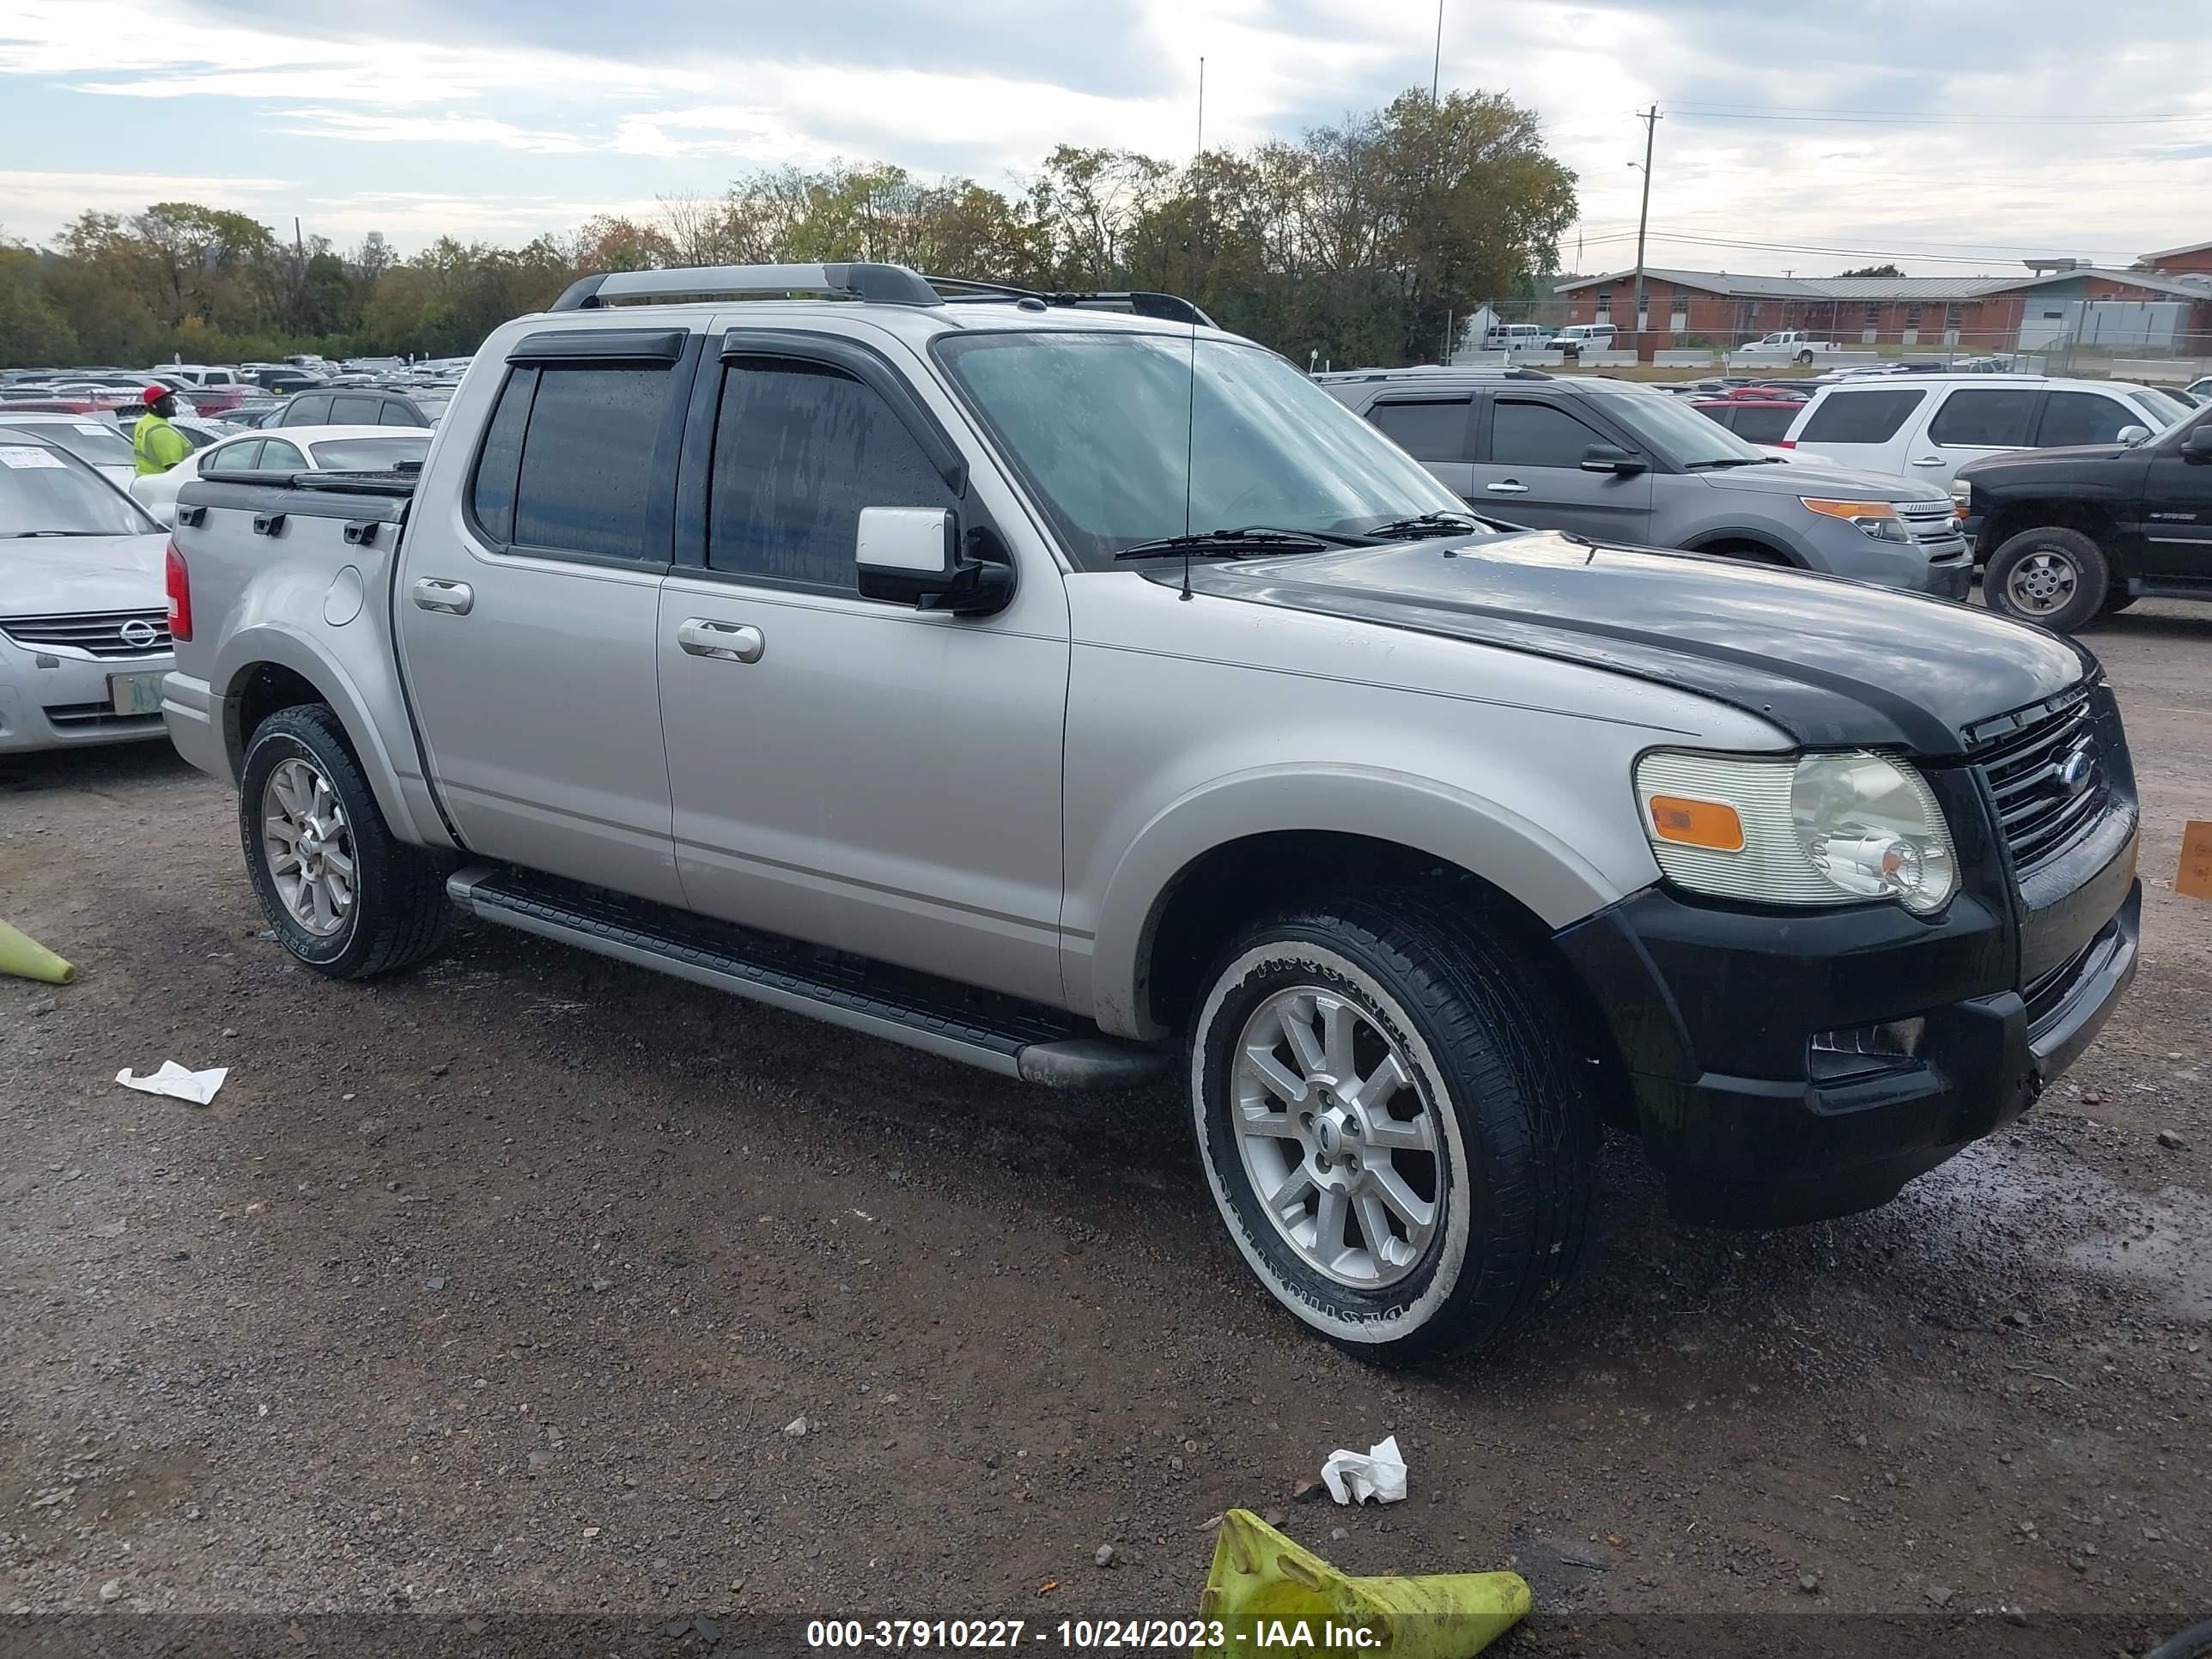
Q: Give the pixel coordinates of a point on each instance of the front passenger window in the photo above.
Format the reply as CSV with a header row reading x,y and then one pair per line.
x,y
799,449
2083,417
1537,434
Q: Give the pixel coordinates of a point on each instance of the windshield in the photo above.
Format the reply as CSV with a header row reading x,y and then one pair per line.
x,y
369,454
2163,407
1677,431
91,440
44,493
1100,425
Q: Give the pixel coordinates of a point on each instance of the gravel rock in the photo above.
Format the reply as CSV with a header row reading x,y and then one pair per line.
x,y
1104,1555
797,1428
112,1590
1809,1582
1938,1594
2171,1141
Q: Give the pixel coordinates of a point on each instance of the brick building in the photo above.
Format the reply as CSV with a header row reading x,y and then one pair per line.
x,y
2195,261
1977,313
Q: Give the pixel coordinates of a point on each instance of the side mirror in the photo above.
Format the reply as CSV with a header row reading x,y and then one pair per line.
x,y
1610,458
2197,446
911,554
2131,434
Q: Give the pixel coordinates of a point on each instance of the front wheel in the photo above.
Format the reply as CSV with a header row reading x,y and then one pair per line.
x,y
1393,1123
344,895
2050,575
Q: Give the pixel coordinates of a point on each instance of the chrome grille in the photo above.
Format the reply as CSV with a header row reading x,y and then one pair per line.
x,y
102,632
2025,757
1933,525
67,716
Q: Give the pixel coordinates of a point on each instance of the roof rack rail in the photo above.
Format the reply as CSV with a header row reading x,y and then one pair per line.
x,y
879,284
1142,302
1468,371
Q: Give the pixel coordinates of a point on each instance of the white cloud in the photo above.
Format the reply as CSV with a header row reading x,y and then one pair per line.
x,y
41,198
427,129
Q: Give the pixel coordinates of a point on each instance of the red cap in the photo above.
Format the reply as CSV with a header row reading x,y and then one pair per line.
x,y
154,393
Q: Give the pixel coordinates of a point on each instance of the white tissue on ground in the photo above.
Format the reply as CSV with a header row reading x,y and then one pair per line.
x,y
1378,1474
174,1080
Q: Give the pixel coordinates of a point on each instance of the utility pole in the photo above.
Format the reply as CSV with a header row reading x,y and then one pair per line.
x,y
1437,68
1650,118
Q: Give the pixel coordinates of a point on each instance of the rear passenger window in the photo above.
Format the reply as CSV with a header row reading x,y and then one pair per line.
x,y
311,410
1859,417
799,449
1537,434
1996,419
1758,425
2083,417
232,457
396,413
279,455
354,411
585,481
1427,432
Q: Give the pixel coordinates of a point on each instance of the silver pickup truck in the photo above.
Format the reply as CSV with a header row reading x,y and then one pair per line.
x,y
1062,685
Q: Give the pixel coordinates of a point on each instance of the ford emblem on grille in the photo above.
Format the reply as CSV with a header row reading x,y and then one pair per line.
x,y
2074,771
138,633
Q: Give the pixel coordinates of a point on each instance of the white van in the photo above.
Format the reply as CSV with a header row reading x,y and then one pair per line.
x,y
1578,337
1928,426
1516,337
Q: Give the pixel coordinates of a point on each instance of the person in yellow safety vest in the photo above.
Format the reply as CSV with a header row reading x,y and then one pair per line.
x,y
158,445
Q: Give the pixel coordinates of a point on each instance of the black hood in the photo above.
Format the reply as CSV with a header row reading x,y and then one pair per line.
x,y
1830,662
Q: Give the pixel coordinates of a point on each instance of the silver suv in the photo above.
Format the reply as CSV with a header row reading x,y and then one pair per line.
x,y
1628,464
1061,685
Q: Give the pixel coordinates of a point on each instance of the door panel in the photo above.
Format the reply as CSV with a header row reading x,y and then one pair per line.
x,y
2177,518
529,622
1530,473
880,779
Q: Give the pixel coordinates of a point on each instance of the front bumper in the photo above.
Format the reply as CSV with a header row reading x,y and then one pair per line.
x,y
59,699
1944,568
1713,1010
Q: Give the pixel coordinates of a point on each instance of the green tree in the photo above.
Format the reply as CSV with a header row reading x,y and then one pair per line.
x,y
1873,270
33,332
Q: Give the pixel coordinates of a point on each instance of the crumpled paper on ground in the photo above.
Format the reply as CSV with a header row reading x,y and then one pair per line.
x,y
1378,1474
173,1079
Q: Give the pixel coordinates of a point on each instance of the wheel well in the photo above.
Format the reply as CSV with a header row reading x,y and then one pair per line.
x,y
2014,517
266,688
1237,884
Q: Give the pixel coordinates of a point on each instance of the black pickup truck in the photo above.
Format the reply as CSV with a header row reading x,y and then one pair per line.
x,y
2068,535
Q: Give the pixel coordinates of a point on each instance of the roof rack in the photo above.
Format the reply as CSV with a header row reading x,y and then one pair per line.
x,y
874,284
893,285
1471,371
1141,302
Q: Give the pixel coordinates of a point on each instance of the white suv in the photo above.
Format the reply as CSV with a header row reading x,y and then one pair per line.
x,y
1928,426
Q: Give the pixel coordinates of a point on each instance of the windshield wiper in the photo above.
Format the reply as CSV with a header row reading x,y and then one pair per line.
x,y
1424,524
1731,460
1252,538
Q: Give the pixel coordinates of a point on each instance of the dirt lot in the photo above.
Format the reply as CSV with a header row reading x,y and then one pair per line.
x,y
494,1287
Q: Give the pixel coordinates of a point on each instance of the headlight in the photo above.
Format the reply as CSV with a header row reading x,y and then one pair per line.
x,y
1876,518
1814,829
1962,495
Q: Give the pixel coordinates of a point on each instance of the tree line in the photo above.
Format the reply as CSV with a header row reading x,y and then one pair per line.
x,y
1358,243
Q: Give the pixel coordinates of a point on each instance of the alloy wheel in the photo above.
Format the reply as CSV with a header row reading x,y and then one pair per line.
x,y
309,847
2043,582
1337,1137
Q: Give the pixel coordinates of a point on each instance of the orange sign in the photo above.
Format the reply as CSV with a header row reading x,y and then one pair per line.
x,y
2195,879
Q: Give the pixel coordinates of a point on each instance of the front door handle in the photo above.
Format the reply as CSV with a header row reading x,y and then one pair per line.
x,y
456,599
730,641
1928,460
1509,488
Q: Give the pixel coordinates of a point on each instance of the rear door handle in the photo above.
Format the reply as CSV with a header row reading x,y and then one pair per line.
x,y
1928,460
728,641
1509,488
456,599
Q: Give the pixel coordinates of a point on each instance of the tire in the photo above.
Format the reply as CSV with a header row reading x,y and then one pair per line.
x,y
392,910
2050,575
1806,358
1489,1083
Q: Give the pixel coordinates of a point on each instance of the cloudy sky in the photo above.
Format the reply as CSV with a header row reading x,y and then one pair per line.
x,y
1943,134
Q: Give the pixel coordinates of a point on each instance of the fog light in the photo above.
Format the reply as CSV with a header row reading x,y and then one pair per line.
x,y
1851,1050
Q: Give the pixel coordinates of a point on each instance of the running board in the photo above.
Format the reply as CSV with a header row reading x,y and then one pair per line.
x,y
1002,1034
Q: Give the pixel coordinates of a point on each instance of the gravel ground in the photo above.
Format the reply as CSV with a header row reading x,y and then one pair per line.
x,y
506,1286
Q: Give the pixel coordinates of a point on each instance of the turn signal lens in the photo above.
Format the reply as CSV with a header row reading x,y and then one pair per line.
x,y
1697,823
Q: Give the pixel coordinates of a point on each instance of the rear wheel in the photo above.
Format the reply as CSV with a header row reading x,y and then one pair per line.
x,y
344,895
1805,357
1392,1126
2049,574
